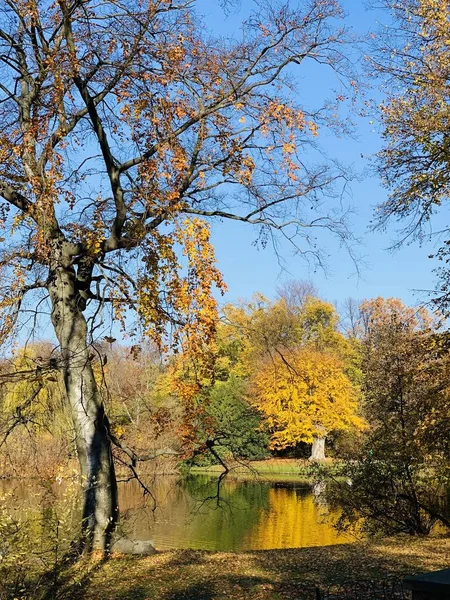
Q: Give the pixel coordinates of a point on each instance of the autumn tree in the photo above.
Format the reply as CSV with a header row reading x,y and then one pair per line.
x,y
132,376
405,375
412,56
144,411
32,399
304,396
400,475
124,129
304,373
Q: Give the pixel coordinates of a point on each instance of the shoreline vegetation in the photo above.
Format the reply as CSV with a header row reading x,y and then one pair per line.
x,y
260,575
300,468
300,471
270,466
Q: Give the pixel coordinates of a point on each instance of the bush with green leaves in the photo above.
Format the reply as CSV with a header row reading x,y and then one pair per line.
x,y
237,430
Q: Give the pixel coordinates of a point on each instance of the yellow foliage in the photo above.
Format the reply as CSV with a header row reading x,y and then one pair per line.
x,y
305,394
34,394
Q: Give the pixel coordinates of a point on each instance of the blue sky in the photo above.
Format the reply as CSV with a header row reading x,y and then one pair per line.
x,y
247,269
382,273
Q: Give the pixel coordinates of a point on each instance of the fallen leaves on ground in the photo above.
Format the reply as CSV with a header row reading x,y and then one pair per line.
x,y
260,575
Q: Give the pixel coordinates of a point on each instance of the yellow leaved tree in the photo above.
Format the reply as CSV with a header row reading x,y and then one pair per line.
x,y
32,397
305,396
32,389
304,374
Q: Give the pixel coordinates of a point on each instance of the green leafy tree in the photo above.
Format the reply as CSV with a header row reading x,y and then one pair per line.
x,y
238,427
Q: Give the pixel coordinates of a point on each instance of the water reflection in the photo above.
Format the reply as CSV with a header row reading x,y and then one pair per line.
x,y
248,515
189,513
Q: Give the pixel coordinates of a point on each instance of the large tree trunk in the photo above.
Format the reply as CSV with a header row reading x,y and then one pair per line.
x,y
100,507
318,449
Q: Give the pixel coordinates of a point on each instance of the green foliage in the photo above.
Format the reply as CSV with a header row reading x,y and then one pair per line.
x,y
239,427
318,322
233,428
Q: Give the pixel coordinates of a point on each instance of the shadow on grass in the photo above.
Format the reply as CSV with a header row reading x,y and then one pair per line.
x,y
73,582
262,575
184,558
204,590
342,563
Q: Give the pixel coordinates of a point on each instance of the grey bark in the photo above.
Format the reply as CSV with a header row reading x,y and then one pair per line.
x,y
100,506
318,449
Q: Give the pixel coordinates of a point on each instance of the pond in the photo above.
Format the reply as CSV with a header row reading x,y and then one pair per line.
x,y
247,515
190,513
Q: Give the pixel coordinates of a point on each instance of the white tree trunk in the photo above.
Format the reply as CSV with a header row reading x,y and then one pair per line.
x,y
318,449
100,506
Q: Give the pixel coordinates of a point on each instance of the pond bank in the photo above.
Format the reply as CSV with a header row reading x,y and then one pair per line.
x,y
273,466
262,575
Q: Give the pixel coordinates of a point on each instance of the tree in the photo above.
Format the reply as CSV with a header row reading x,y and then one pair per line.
x,y
144,412
405,373
30,397
305,396
304,373
351,318
236,429
295,293
393,349
412,56
123,131
28,394
400,475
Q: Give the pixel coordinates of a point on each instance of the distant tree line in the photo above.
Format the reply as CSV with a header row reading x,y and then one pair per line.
x,y
288,377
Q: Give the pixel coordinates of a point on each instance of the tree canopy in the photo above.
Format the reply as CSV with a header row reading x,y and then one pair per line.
x,y
303,373
411,54
305,396
125,128
399,473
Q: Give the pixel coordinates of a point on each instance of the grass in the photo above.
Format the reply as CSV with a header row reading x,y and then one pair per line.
x,y
262,575
271,466
276,469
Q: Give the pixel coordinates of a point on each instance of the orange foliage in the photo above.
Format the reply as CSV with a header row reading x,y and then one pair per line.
x,y
124,127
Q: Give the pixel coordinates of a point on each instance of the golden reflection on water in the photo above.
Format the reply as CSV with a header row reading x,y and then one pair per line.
x,y
294,521
251,515
248,514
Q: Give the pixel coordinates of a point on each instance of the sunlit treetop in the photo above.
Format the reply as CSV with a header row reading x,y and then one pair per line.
x,y
125,128
412,56
305,396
